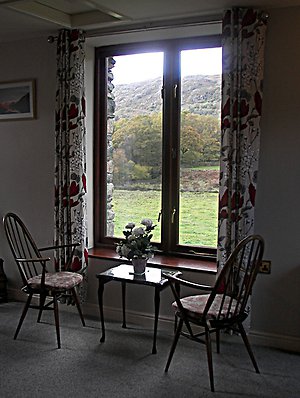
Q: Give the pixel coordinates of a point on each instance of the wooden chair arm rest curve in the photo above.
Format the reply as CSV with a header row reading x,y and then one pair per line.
x,y
194,285
58,247
33,260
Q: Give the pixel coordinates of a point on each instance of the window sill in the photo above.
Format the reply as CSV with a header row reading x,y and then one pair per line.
x,y
162,261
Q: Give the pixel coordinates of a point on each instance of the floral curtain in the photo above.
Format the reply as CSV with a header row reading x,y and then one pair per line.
x,y
243,60
70,164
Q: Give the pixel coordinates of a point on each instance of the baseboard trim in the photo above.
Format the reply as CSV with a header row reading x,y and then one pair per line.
x,y
284,342
132,317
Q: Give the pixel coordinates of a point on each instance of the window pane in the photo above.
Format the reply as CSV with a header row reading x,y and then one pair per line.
x,y
199,146
134,140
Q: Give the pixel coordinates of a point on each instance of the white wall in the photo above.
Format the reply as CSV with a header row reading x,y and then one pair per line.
x,y
27,147
27,159
277,296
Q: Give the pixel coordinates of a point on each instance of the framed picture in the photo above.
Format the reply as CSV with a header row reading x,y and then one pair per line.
x,y
17,100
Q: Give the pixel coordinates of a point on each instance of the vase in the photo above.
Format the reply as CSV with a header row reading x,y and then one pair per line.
x,y
139,265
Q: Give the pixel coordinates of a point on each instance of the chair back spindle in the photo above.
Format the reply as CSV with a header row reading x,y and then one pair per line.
x,y
22,246
47,287
234,284
226,304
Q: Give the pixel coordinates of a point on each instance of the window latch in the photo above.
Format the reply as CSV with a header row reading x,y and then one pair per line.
x,y
159,216
175,87
173,216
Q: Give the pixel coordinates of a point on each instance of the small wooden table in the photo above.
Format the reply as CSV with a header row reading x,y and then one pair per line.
x,y
124,274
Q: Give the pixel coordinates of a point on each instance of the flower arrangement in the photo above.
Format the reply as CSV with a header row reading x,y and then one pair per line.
x,y
137,241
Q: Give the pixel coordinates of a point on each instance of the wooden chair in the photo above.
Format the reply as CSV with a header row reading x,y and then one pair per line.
x,y
35,276
225,307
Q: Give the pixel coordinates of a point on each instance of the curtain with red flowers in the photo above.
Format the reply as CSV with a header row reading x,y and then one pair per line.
x,y
243,60
70,164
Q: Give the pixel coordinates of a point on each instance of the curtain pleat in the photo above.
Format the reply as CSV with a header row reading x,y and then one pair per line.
x,y
243,43
70,161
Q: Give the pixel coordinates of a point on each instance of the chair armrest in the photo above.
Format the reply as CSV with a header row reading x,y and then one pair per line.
x,y
69,258
58,247
33,260
184,282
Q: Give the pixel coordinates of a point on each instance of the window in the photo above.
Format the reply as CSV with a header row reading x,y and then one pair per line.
x,y
157,138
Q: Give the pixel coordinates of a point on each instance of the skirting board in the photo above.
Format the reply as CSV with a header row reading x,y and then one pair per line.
x,y
288,343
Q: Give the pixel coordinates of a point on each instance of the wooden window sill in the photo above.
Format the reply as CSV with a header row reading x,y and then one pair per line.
x,y
162,261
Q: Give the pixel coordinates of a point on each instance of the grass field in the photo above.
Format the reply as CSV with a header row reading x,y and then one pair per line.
x,y
215,167
198,217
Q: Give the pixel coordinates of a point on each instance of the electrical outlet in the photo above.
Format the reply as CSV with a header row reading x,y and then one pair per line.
x,y
265,267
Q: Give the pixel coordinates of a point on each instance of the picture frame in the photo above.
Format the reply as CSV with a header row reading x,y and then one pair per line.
x,y
17,100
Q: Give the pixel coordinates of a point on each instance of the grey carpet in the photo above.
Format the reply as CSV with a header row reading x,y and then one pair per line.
x,y
123,366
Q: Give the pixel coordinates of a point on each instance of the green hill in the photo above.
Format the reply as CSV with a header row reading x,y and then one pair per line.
x,y
200,94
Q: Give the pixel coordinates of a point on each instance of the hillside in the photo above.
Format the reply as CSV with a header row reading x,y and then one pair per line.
x,y
201,94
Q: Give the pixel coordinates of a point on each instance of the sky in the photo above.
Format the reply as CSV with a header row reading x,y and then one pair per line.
x,y
139,67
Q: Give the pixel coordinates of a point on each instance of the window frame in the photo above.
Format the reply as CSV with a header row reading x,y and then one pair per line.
x,y
171,122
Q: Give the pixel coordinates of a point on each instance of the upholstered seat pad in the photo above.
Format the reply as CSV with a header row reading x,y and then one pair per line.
x,y
56,280
195,305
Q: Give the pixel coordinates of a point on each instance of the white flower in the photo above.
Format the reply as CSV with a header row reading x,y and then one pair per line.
x,y
130,225
138,231
125,250
147,222
137,241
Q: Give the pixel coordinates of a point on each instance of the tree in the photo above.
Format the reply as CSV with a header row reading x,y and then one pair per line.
x,y
140,139
122,168
200,139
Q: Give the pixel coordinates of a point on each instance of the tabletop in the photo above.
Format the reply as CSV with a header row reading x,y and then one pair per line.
x,y
124,272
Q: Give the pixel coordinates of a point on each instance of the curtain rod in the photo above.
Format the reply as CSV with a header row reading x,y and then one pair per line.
x,y
148,26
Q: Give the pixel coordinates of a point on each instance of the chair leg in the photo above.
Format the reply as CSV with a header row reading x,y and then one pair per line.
x,y
78,305
174,344
25,309
209,358
247,344
218,340
56,317
42,303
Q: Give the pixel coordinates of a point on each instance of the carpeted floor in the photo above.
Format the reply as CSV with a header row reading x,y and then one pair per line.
x,y
123,366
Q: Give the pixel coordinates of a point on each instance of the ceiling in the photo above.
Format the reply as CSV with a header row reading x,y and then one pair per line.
x,y
27,19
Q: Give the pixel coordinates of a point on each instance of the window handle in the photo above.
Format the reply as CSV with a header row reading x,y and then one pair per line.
x,y
159,216
175,87
173,216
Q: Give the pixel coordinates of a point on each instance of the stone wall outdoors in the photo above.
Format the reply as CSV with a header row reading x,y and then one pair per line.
x,y
110,129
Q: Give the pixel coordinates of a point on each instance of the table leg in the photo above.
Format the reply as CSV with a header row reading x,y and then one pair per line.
x,y
100,300
123,303
156,307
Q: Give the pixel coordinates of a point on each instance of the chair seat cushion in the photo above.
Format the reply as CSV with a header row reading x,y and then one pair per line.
x,y
195,305
56,280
